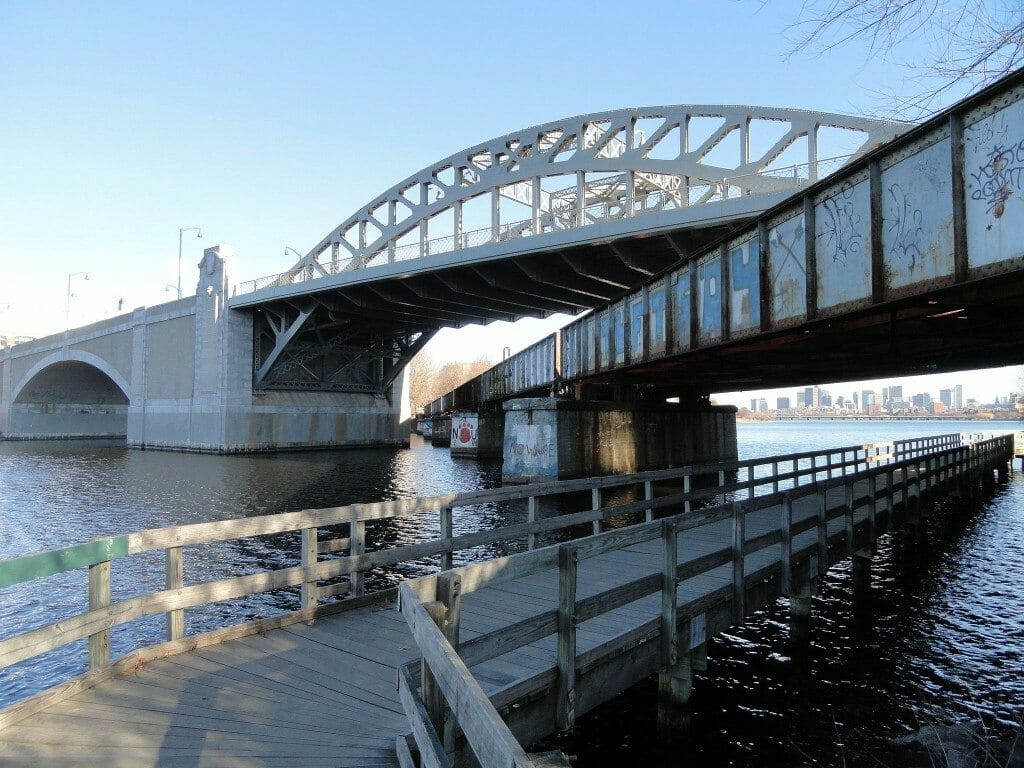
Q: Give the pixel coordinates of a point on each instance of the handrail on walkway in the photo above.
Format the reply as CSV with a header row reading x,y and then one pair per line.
x,y
342,574
447,697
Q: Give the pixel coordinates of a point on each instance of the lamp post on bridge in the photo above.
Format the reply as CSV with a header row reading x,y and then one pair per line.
x,y
182,231
67,301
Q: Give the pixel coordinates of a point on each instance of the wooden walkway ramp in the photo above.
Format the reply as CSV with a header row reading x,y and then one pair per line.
x,y
319,687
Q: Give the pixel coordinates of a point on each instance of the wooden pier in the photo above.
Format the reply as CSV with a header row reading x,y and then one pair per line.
x,y
482,659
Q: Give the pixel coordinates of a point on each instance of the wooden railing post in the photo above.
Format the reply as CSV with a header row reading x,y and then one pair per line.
x,y
309,592
669,654
356,547
531,517
890,494
872,519
595,503
786,524
848,489
449,595
446,537
175,579
822,527
648,496
687,506
568,562
99,597
775,477
739,538
721,484
433,698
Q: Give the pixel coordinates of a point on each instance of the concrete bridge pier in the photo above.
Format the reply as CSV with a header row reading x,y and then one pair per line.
x,y
442,431
477,434
548,438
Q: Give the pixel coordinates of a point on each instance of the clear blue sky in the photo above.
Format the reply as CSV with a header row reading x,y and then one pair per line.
x,y
269,123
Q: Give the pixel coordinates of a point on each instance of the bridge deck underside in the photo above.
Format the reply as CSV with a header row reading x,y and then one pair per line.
x,y
565,279
976,325
324,694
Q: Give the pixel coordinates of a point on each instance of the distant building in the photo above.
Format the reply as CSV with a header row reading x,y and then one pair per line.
x,y
762,405
867,399
782,404
753,403
958,397
824,399
922,400
801,399
946,397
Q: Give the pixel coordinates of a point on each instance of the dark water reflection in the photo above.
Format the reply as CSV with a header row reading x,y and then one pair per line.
x,y
942,636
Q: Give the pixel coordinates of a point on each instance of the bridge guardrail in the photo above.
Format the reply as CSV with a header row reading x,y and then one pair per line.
x,y
567,218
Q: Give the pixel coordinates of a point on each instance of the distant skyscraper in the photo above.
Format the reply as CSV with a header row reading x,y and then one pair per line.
x,y
812,397
946,397
782,404
867,399
895,392
762,405
753,403
958,397
801,399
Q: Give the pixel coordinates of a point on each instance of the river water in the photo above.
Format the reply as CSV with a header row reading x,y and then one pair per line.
x,y
939,637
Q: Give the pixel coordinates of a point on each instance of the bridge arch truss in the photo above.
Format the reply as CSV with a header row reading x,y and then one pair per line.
x,y
587,169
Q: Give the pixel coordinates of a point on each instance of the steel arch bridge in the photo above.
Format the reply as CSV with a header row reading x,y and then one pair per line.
x,y
435,250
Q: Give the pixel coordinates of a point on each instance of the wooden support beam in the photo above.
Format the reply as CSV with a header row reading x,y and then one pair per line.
x,y
175,579
309,589
99,597
568,562
739,527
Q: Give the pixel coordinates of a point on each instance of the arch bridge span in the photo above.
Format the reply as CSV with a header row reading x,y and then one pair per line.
x,y
560,217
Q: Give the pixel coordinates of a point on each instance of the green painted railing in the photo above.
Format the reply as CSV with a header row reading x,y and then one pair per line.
x,y
42,564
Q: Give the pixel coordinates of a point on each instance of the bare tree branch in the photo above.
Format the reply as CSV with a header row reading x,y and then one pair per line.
x,y
967,44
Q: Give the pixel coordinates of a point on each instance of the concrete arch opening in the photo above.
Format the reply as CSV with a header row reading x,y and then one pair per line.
x,y
69,399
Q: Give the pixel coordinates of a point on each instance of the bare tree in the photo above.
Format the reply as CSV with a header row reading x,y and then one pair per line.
x,y
969,43
429,379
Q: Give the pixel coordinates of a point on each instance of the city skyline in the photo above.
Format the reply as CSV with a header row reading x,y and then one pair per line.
x,y
999,383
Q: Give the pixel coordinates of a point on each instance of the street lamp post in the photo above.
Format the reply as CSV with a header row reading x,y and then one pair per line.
x,y
67,302
182,231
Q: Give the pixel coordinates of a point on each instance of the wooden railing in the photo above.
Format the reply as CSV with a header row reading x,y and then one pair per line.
x,y
446,698
350,559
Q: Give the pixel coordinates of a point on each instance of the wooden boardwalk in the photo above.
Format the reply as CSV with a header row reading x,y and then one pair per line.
x,y
323,692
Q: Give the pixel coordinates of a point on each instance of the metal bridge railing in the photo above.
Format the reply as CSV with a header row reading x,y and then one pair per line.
x,y
561,218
